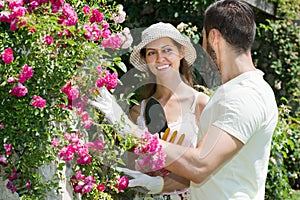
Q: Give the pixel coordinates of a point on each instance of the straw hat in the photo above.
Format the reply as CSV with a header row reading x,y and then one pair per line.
x,y
155,32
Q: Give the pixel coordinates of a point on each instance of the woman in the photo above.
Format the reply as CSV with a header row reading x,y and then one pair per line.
x,y
167,56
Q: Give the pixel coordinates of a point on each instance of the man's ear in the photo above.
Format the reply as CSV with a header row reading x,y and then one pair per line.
x,y
214,37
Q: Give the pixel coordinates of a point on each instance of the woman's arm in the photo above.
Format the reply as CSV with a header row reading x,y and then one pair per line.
x,y
201,103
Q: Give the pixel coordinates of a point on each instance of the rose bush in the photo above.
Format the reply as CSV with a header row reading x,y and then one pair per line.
x,y
55,54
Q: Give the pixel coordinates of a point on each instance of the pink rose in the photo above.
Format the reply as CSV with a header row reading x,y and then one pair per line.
x,y
3,159
122,183
86,9
7,56
55,142
69,17
105,25
11,80
27,73
48,39
8,148
113,42
97,16
5,17
100,82
1,4
38,102
101,187
28,185
19,90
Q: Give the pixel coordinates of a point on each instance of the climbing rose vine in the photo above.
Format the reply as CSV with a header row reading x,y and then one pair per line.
x,y
55,55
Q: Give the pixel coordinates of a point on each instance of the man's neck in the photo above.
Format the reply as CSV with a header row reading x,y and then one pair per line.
x,y
235,65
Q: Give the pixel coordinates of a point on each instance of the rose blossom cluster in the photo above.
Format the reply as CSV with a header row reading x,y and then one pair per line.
x,y
69,17
17,10
84,184
48,39
75,147
78,102
38,102
12,176
7,56
95,30
151,157
20,90
8,148
10,184
13,184
126,37
110,80
26,73
81,183
13,13
122,183
120,16
99,28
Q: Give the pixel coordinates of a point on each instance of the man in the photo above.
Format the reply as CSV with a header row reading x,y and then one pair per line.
x,y
236,126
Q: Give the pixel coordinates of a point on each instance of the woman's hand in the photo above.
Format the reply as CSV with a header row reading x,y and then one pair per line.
x,y
106,104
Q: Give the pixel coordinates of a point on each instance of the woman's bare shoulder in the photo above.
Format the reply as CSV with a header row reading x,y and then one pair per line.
x,y
202,99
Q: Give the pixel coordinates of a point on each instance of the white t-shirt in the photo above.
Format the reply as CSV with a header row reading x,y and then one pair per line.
x,y
245,107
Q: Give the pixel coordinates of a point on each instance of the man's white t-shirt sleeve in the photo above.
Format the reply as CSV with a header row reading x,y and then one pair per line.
x,y
241,116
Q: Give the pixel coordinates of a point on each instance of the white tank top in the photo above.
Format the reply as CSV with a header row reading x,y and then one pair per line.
x,y
185,124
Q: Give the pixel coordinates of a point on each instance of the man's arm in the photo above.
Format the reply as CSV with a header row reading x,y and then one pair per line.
x,y
196,164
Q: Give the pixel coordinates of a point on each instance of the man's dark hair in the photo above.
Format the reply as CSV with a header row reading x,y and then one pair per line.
x,y
235,20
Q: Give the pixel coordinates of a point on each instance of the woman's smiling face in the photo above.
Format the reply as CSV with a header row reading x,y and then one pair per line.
x,y
162,55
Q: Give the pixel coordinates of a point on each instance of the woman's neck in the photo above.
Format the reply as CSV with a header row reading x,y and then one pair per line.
x,y
164,90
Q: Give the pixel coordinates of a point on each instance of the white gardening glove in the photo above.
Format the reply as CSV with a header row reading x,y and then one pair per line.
x,y
153,184
106,103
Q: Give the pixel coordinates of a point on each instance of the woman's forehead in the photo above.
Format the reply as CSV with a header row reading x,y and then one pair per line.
x,y
160,43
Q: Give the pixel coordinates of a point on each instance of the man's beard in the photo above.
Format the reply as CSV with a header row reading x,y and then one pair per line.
x,y
211,52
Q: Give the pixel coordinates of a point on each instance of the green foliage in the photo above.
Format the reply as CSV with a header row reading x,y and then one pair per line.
x,y
287,9
277,54
284,160
145,13
280,40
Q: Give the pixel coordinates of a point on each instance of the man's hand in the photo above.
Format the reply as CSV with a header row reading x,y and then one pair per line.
x,y
106,104
152,184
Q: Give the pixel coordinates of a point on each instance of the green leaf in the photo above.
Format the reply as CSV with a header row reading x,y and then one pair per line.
x,y
122,66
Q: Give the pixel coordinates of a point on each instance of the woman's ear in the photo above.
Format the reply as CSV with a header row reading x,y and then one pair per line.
x,y
182,52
